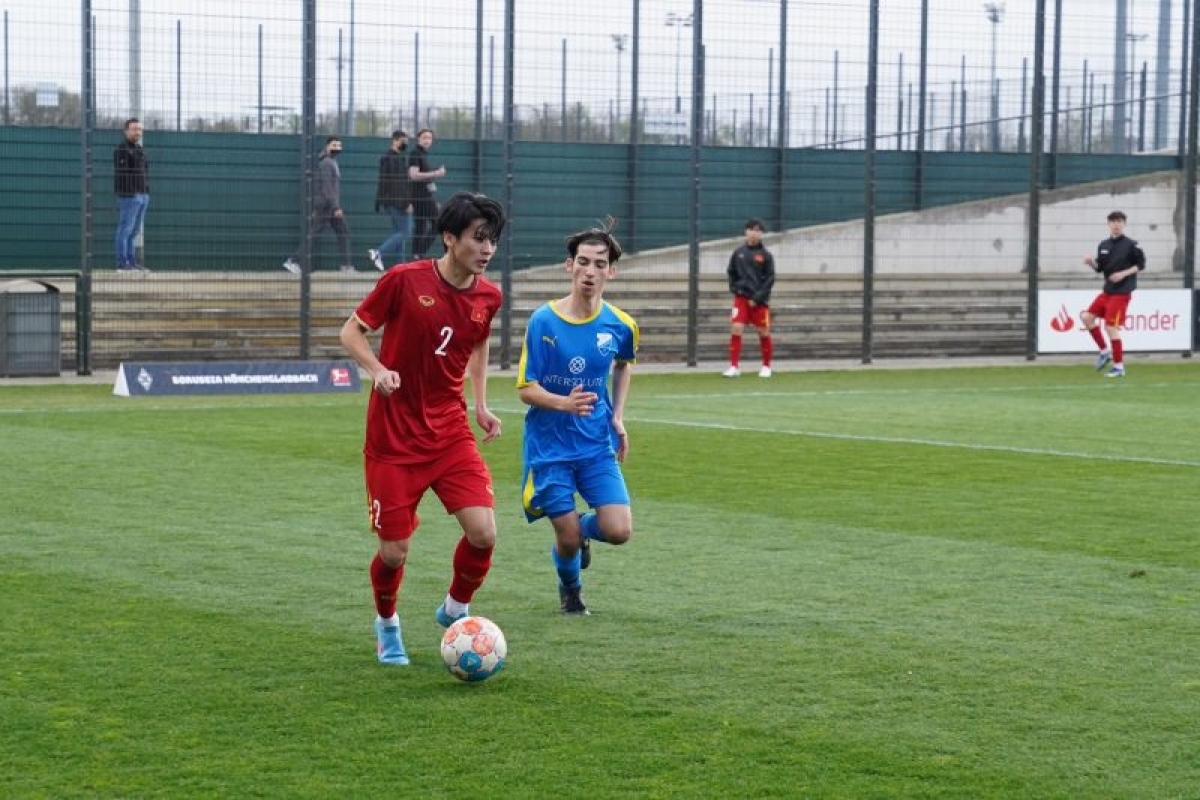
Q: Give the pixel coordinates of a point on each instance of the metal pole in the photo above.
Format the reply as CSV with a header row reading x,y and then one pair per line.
x,y
417,79
995,13
87,124
693,311
868,299
634,127
1033,234
510,51
260,78
900,102
1184,80
492,83
339,122
7,106
781,150
562,84
478,183
770,94
1141,140
308,118
1052,172
1190,171
1119,135
923,83
349,129
836,89
1162,75
178,75
135,58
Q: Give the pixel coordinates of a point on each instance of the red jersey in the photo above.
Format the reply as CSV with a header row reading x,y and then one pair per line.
x,y
430,329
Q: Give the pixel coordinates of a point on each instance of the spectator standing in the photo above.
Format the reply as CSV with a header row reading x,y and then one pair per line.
x,y
424,193
327,208
131,183
391,196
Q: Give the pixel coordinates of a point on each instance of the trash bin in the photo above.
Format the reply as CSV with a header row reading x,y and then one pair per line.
x,y
30,329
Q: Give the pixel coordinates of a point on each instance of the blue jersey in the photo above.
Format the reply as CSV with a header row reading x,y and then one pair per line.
x,y
559,354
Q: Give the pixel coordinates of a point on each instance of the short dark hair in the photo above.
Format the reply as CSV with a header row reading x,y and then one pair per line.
x,y
754,223
1117,215
598,235
331,139
130,121
399,134
425,130
464,208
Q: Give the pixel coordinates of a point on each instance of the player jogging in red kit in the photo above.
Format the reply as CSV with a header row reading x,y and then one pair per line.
x,y
1119,260
436,317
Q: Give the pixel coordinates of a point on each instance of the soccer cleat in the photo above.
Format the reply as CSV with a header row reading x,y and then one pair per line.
x,y
571,602
375,259
128,268
444,619
732,372
1103,359
292,267
765,372
1115,372
389,647
585,553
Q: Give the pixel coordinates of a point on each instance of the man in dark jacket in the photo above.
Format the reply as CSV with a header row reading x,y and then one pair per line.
x,y
751,274
131,184
391,196
1119,259
327,207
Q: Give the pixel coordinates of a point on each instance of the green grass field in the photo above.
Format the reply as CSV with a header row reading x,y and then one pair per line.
x,y
872,583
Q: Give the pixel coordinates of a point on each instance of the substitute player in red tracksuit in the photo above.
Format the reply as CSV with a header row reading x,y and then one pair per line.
x,y
751,274
436,317
1119,259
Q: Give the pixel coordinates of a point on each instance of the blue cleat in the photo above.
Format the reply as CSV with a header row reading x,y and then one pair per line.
x,y
444,619
1103,359
388,644
1115,372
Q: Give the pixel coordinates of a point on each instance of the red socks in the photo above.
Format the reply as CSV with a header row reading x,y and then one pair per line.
x,y
385,584
1098,338
735,350
765,342
1118,353
471,565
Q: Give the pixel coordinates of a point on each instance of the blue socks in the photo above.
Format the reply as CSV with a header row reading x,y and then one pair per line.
x,y
590,525
567,569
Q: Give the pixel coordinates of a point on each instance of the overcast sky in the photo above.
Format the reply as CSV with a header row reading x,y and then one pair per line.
x,y
220,49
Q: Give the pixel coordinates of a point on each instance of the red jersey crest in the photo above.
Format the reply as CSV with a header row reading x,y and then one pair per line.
x,y
478,314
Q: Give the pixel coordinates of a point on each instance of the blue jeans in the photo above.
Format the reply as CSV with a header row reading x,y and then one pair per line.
x,y
394,249
132,211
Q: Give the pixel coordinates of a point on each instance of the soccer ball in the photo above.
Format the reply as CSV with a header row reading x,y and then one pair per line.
x,y
473,649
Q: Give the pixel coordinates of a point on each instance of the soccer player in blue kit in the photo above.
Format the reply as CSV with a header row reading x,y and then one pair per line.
x,y
575,438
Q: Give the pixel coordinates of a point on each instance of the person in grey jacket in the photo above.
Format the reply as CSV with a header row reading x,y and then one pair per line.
x,y
327,208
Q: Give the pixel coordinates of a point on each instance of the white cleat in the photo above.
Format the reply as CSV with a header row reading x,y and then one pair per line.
x,y
765,372
732,372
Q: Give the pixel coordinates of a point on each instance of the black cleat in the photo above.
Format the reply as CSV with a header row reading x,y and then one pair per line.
x,y
571,602
585,553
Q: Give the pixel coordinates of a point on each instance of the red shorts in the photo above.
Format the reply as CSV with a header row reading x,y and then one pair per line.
x,y
459,478
1110,308
759,316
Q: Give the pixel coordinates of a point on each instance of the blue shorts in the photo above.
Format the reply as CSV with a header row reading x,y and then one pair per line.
x,y
549,491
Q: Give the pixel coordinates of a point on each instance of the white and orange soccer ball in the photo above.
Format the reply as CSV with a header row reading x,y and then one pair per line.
x,y
473,649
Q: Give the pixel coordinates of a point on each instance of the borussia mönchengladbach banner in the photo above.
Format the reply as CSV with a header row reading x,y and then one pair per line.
x,y
235,377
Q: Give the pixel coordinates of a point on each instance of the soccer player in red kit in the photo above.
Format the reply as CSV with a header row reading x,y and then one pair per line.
x,y
1119,259
436,316
751,273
